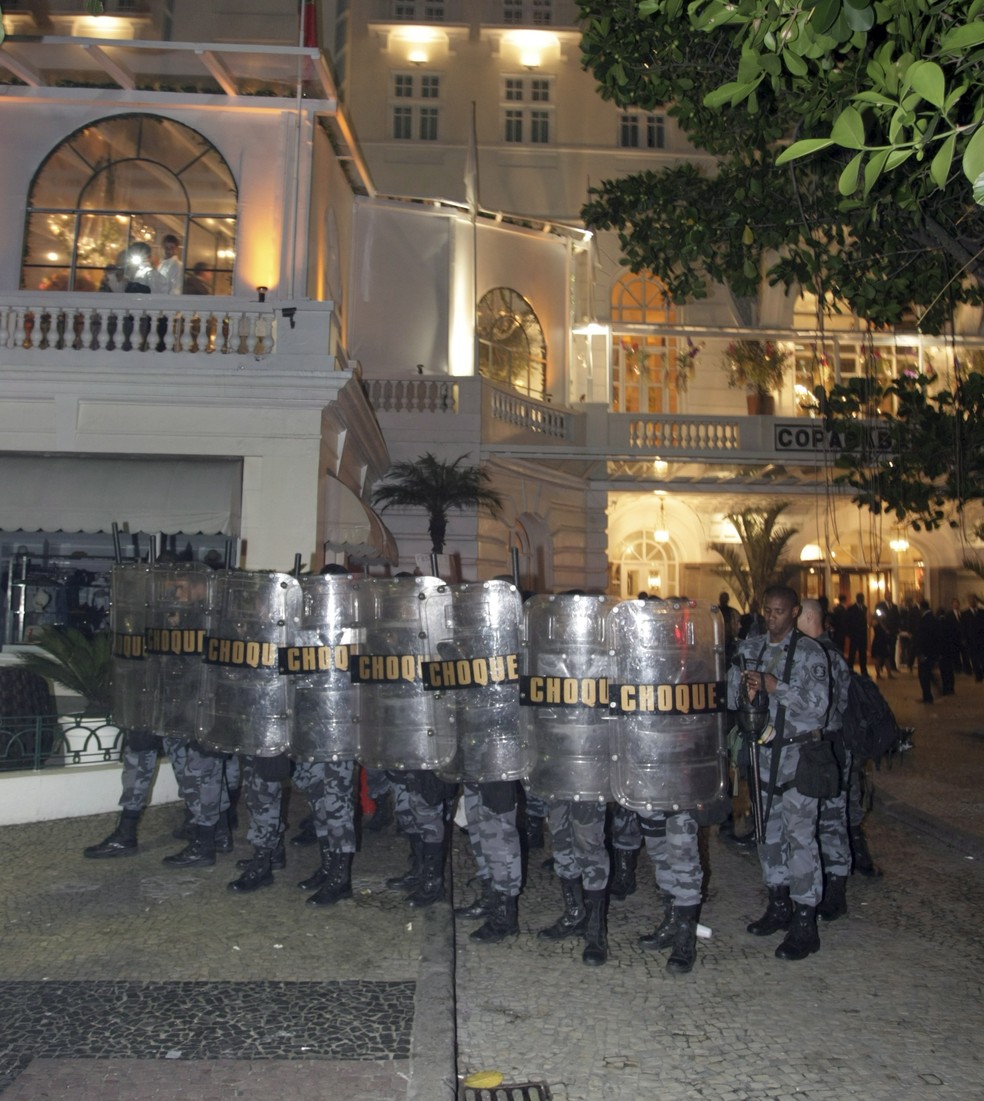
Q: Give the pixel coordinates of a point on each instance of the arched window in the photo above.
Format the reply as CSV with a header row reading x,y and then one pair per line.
x,y
512,349
648,566
647,375
124,180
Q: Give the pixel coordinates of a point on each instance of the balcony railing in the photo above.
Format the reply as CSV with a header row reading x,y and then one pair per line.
x,y
130,323
420,395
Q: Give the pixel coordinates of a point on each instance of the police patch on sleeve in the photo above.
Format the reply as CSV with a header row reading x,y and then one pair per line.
x,y
819,672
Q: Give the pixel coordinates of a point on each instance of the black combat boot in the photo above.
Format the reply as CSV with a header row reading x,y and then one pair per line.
x,y
777,914
430,886
503,920
595,928
186,831
684,945
623,881
534,832
662,936
411,877
338,881
482,906
863,864
121,842
834,902
223,834
317,880
199,853
802,939
278,859
571,922
383,814
257,873
305,834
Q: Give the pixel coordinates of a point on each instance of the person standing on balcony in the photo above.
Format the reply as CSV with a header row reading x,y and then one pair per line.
x,y
170,268
141,275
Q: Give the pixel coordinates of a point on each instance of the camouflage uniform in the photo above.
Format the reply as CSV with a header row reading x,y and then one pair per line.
x,y
835,845
263,793
671,842
626,832
418,811
789,855
199,775
490,810
330,789
577,830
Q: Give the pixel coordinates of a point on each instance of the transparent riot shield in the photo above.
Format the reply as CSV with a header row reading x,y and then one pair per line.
x,y
476,682
669,700
401,621
133,696
316,663
243,704
564,695
175,641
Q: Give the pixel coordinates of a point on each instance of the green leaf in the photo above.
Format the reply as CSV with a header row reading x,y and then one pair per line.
x,y
874,168
824,13
973,156
732,92
927,78
979,190
848,182
939,170
962,38
795,64
748,236
803,148
848,129
862,19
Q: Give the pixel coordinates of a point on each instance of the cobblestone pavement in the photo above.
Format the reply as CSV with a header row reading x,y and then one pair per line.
x,y
122,980
890,1008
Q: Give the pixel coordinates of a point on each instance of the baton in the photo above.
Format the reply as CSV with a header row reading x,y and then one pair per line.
x,y
755,790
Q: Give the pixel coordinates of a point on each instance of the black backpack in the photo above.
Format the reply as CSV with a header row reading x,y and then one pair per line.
x,y
870,728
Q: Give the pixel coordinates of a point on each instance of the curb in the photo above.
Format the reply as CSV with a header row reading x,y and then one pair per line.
x,y
967,843
433,1044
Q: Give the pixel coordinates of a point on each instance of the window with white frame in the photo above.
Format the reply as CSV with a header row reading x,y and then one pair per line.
x,y
425,11
537,12
414,111
641,130
527,113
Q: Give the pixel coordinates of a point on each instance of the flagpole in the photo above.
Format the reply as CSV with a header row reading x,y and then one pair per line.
x,y
471,197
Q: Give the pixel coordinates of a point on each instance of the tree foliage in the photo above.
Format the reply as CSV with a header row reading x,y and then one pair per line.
x,y
883,225
437,486
757,562
926,463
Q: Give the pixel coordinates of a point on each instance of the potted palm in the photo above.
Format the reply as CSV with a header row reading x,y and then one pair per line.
x,y
759,367
81,664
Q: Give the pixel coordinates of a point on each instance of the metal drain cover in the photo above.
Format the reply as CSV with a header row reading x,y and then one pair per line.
x,y
526,1091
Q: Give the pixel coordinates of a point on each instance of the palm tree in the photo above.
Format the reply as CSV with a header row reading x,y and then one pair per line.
x,y
758,564
437,486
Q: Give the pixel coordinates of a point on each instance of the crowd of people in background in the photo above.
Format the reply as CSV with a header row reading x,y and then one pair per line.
x,y
135,271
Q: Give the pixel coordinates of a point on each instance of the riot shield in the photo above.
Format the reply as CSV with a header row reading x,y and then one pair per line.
x,y
316,663
564,695
669,700
401,620
476,682
175,641
133,696
243,705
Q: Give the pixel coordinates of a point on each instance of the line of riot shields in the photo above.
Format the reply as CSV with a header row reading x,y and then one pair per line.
x,y
580,697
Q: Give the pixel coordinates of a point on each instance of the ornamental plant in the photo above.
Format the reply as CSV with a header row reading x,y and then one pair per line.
x,y
758,366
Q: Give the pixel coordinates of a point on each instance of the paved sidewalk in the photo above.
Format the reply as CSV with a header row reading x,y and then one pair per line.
x,y
125,981
888,1010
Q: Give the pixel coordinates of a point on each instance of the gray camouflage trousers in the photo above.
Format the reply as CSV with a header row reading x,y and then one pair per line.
x,y
494,841
330,789
626,834
832,827
414,814
264,799
790,854
200,777
672,845
578,834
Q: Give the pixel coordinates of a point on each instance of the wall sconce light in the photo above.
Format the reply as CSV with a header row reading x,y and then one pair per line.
x,y
261,293
900,544
417,57
811,553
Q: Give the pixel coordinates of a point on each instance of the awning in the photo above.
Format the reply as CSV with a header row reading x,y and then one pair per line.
x,y
88,493
355,529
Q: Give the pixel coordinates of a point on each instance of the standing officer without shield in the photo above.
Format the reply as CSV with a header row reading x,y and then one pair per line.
x,y
792,669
